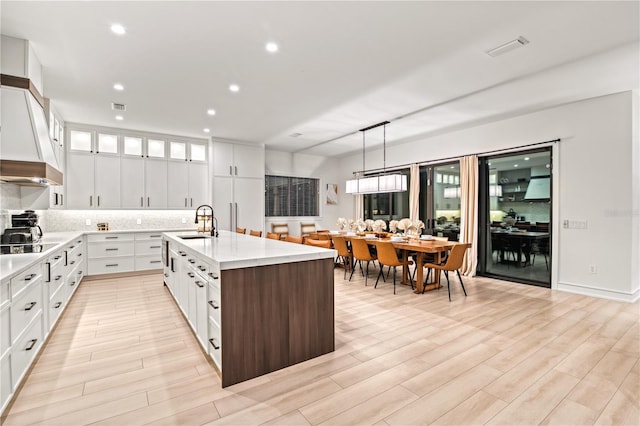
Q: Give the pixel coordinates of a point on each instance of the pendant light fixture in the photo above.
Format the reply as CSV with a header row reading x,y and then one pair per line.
x,y
382,183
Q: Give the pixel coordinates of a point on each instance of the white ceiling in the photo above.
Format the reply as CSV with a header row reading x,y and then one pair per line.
x,y
341,66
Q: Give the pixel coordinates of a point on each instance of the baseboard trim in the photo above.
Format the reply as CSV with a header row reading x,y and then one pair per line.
x,y
586,290
121,274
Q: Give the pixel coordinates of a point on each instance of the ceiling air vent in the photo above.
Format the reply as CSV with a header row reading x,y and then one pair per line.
x,y
508,46
118,107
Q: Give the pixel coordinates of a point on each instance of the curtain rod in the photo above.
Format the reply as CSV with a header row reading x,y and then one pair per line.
x,y
442,160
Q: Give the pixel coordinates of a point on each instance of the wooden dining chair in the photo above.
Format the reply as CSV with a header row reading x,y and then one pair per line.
x,y
318,243
255,233
453,263
344,253
241,230
387,256
293,239
282,229
273,236
361,253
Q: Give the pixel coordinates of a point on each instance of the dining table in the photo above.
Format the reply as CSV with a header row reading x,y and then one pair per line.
x,y
419,247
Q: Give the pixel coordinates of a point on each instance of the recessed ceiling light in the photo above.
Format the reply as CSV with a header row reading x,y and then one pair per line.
x,y
118,29
206,130
271,47
211,111
119,87
515,165
526,158
234,87
119,117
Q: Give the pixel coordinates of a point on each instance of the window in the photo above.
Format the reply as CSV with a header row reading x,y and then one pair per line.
x,y
155,148
389,205
132,146
291,196
198,152
80,141
178,150
107,143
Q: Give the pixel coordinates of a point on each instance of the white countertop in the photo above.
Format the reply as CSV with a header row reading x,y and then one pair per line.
x,y
13,264
232,250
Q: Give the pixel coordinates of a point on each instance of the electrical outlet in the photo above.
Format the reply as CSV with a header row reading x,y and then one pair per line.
x,y
593,269
87,222
184,220
565,223
139,221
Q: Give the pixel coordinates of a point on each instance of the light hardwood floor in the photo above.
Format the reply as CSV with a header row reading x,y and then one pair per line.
x,y
507,354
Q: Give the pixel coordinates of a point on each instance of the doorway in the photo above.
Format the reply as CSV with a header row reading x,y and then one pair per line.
x,y
515,217
440,199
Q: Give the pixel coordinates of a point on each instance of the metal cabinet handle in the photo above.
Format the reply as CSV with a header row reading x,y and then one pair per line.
x,y
57,257
213,343
32,344
111,264
212,275
202,268
141,201
90,200
191,274
80,272
181,252
30,277
185,201
112,237
148,201
230,170
98,201
57,305
155,261
166,275
236,170
72,283
58,277
30,306
199,284
155,236
48,273
110,249
155,246
72,262
192,261
213,305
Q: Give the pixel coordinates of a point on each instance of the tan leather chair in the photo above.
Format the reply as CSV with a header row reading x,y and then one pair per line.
x,y
387,256
241,230
453,263
273,236
318,243
361,253
344,252
255,233
292,239
307,228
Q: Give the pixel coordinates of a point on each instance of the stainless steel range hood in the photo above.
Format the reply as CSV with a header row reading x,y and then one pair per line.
x,y
26,151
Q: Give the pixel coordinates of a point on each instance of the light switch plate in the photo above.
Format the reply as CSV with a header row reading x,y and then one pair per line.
x,y
139,221
184,220
87,222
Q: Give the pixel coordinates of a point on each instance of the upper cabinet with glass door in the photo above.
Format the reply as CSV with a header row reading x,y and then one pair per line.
x,y
188,151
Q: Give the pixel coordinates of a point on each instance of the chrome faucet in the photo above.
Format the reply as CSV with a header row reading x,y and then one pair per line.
x,y
214,221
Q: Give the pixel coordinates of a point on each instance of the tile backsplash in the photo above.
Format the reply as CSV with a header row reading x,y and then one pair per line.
x,y
76,220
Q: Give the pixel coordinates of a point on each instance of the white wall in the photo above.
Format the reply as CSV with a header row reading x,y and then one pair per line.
x,y
596,170
300,165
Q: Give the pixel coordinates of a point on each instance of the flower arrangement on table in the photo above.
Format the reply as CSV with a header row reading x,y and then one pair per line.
x,y
393,226
379,226
342,223
369,223
360,226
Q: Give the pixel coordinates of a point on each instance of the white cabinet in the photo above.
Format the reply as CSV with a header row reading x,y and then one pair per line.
x,y
238,186
238,160
92,181
143,183
187,184
155,183
238,202
110,253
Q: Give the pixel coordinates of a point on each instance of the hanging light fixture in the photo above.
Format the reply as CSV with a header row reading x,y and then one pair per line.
x,y
382,183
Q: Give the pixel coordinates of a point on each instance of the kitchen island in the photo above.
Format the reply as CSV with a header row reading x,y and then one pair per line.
x,y
256,305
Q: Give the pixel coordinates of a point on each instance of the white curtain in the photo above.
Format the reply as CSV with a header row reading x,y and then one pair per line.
x,y
469,212
359,213
414,193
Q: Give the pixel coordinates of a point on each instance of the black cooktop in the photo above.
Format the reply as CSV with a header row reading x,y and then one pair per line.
x,y
25,248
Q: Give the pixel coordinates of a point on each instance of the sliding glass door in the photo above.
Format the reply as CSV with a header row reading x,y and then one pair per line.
x,y
440,199
515,217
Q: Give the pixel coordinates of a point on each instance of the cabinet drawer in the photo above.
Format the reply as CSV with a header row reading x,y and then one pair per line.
x,y
71,283
6,384
111,249
25,349
5,292
148,262
149,247
24,308
213,304
111,265
25,278
148,235
56,305
5,336
56,280
94,238
56,260
214,343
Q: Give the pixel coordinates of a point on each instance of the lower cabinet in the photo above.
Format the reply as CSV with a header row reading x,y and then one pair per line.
x,y
24,350
124,252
